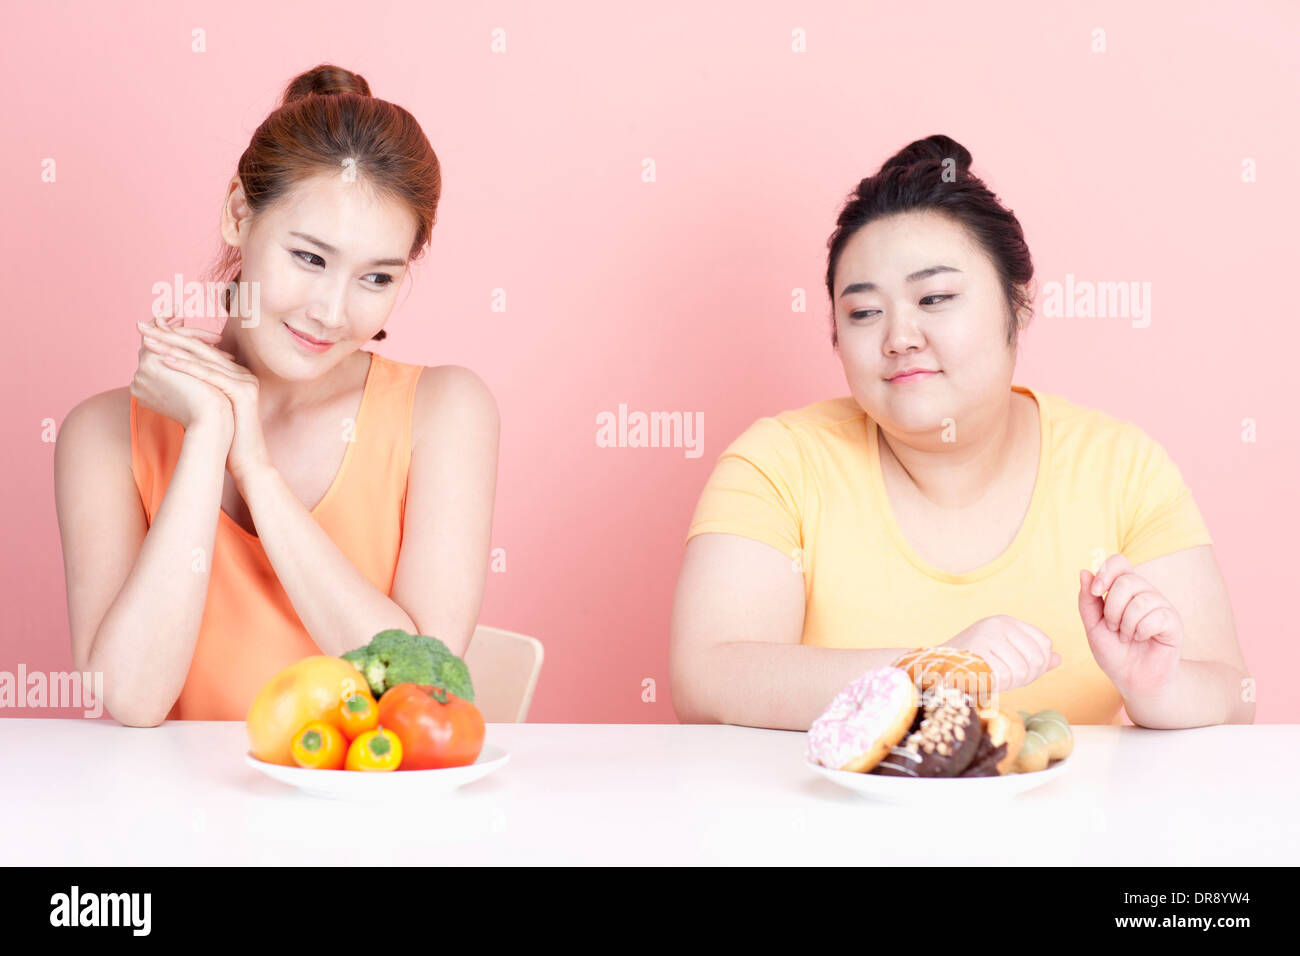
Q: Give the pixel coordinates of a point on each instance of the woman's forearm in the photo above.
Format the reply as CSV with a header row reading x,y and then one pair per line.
x,y
1202,693
145,643
338,606
774,685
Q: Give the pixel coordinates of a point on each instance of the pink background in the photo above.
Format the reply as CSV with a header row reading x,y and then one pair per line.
x,y
675,295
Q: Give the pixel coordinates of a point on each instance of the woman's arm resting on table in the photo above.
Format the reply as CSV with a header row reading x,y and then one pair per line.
x,y
136,591
446,538
1212,679
735,654
438,583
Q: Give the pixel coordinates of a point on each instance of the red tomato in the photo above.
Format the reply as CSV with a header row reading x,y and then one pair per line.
x,y
437,729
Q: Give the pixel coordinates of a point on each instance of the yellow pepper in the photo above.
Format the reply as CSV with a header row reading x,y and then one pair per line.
x,y
377,749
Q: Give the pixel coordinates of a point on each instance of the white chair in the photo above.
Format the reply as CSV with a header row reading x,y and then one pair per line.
x,y
504,667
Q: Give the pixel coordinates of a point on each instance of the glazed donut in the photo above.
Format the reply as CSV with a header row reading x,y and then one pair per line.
x,y
965,670
1005,727
1047,737
864,720
1004,732
943,740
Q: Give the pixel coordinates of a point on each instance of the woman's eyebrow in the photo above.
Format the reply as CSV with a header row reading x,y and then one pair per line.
x,y
914,277
334,252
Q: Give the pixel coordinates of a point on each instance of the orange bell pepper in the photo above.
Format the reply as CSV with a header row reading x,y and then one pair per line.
x,y
319,746
357,714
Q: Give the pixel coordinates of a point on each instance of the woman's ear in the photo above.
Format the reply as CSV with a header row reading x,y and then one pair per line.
x,y
235,214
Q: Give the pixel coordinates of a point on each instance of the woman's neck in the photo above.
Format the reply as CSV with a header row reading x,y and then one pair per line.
x,y
280,399
960,474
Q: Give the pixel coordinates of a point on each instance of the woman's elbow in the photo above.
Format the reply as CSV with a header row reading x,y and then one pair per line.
x,y
687,708
692,702
133,716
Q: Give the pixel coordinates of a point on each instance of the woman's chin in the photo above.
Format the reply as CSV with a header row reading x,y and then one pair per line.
x,y
292,366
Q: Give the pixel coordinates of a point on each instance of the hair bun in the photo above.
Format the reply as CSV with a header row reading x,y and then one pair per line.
x,y
324,80
933,148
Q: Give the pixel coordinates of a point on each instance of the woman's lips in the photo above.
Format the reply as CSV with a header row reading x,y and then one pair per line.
x,y
308,343
911,377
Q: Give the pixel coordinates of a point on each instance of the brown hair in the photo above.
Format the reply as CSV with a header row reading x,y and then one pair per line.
x,y
327,116
934,174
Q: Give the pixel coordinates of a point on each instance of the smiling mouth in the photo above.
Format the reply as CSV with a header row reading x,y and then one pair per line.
x,y
308,338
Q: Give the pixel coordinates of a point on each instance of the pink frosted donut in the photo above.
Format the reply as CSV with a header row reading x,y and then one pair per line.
x,y
864,720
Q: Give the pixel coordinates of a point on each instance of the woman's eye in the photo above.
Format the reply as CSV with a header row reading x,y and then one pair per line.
x,y
862,313
378,278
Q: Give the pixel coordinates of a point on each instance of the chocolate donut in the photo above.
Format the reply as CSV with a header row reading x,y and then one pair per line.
x,y
985,762
943,739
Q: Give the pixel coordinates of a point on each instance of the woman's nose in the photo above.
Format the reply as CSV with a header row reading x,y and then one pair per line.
x,y
902,334
327,310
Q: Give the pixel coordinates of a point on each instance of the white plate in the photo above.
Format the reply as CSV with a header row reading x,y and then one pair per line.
x,y
388,785
952,791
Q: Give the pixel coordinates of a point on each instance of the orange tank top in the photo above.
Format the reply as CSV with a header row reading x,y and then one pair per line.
x,y
250,630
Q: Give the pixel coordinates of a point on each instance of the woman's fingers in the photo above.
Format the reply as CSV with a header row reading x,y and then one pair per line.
x,y
177,324
1115,565
1003,670
1033,643
1024,657
207,337
197,342
190,364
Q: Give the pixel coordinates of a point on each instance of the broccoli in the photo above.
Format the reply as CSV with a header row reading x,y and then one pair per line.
x,y
395,657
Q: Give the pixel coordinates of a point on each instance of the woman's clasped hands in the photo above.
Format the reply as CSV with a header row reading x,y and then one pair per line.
x,y
206,379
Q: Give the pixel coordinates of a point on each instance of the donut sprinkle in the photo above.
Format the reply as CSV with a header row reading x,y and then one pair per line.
x,y
859,715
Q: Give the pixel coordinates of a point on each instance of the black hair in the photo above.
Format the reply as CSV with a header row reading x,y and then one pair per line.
x,y
934,174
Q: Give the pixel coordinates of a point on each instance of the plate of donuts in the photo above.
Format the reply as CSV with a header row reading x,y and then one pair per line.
x,y
937,790
901,734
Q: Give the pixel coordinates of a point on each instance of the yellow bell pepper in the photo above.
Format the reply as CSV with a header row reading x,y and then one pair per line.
x,y
377,749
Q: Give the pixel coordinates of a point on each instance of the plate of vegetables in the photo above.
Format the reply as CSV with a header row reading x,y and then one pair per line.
x,y
392,720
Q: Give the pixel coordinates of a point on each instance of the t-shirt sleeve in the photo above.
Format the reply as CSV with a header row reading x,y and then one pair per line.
x,y
1160,515
756,489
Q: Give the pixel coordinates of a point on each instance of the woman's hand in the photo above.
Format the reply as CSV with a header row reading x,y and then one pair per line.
x,y
204,362
1018,653
1135,634
172,393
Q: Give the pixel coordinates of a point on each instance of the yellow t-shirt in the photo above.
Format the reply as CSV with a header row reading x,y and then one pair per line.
x,y
808,483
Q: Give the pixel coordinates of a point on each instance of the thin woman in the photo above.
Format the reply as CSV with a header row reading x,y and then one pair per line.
x,y
940,503
275,491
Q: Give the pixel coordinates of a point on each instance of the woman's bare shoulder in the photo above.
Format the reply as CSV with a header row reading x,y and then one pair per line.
x,y
455,393
109,411
103,418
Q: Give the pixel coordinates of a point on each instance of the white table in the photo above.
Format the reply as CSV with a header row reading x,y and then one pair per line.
x,y
97,793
